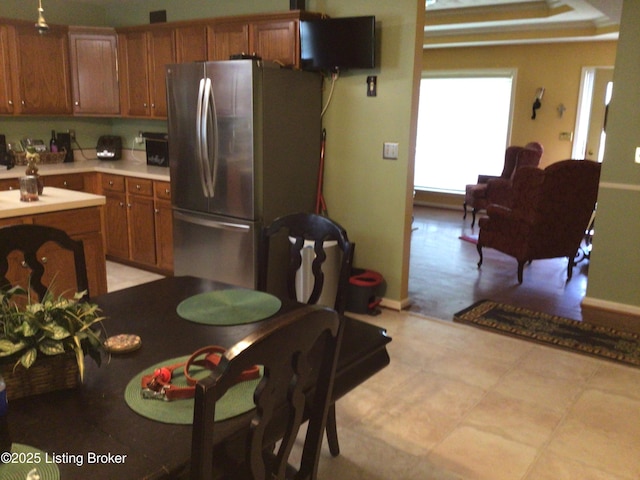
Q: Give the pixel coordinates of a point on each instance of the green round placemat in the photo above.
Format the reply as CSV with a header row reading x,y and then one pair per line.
x,y
19,469
237,400
228,307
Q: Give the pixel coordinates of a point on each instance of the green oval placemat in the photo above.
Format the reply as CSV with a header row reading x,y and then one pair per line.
x,y
46,469
228,307
237,400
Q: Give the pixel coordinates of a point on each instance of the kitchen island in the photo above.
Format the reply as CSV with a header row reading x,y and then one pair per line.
x,y
77,213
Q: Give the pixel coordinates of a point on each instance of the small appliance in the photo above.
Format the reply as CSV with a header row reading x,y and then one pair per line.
x,y
157,145
109,147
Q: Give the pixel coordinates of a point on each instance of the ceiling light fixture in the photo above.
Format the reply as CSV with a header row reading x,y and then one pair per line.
x,y
41,24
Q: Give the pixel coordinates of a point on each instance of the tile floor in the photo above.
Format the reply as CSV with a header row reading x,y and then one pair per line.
x,y
460,403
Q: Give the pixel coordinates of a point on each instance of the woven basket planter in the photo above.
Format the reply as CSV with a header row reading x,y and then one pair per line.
x,y
47,374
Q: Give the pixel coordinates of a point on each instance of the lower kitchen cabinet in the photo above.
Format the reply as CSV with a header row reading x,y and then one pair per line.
x,y
138,222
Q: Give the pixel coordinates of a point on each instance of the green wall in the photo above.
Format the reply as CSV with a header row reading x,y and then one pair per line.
x,y
366,194
614,271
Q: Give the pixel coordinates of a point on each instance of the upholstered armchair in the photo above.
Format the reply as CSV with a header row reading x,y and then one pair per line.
x,y
550,211
494,189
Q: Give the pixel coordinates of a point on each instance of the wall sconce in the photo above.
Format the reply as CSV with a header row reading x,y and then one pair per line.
x,y
537,102
41,24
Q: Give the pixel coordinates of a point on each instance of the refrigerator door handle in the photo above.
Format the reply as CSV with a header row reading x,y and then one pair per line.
x,y
210,136
201,139
237,227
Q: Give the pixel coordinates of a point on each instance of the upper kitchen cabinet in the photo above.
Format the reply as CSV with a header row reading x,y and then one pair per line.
x,y
40,68
94,71
144,54
273,37
6,83
191,43
277,41
226,39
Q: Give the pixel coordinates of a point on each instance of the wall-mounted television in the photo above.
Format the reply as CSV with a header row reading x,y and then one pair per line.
x,y
338,43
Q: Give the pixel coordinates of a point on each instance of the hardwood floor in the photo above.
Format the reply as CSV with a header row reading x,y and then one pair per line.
x,y
444,277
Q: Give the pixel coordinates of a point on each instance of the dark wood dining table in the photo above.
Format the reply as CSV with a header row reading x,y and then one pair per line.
x,y
91,430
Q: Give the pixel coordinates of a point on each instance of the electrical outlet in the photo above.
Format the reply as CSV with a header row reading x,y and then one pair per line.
x,y
390,151
139,139
72,134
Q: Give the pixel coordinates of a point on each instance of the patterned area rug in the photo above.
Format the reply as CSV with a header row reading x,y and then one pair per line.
x,y
603,342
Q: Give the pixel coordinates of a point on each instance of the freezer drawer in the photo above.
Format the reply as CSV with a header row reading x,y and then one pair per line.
x,y
214,247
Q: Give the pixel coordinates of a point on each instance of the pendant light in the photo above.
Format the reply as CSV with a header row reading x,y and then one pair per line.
x,y
41,24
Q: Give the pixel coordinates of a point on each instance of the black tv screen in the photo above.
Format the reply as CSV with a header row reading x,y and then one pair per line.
x,y
338,43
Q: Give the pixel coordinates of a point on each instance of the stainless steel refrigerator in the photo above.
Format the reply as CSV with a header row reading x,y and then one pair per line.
x,y
244,148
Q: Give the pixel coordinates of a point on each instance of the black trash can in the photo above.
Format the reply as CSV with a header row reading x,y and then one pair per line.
x,y
363,289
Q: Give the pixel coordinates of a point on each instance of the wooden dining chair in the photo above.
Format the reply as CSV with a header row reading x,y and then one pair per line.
x,y
39,257
296,231
298,352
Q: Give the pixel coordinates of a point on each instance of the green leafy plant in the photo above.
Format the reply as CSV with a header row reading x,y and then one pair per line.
x,y
51,326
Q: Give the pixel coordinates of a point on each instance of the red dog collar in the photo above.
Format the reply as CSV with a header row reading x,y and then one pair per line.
x,y
157,385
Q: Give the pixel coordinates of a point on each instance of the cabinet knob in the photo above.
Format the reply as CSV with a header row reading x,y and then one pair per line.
x,y
10,102
129,205
138,187
76,104
121,204
111,183
23,103
44,260
24,264
167,191
65,183
153,105
144,104
155,210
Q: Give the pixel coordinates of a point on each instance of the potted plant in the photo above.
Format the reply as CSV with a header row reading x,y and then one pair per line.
x,y
53,326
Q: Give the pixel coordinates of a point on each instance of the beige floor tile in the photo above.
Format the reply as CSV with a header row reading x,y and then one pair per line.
x,y
553,467
424,413
602,430
616,378
556,363
478,455
514,419
554,394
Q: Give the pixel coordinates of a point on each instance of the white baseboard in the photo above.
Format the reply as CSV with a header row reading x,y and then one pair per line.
x,y
611,306
395,304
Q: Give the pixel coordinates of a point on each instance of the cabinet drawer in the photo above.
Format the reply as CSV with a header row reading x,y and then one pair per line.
x,y
140,186
112,183
70,182
9,184
162,190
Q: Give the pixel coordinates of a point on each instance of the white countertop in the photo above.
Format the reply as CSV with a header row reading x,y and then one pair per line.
x,y
131,168
52,200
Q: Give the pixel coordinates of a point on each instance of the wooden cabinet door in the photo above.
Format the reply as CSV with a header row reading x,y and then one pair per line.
x,y
6,82
142,244
94,71
276,41
135,96
191,43
43,71
116,226
161,53
164,235
227,39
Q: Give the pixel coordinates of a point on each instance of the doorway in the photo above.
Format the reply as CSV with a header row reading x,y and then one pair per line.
x,y
595,94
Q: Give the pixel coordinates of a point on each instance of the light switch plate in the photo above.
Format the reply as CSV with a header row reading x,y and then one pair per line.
x,y
637,154
390,151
